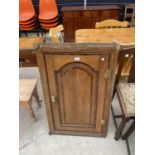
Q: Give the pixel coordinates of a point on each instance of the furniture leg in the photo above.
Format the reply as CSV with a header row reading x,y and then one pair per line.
x,y
42,33
36,96
113,95
45,33
128,147
32,112
37,33
118,133
129,131
25,33
19,34
113,115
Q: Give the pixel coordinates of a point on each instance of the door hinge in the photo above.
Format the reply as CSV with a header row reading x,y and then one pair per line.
x,y
107,73
102,122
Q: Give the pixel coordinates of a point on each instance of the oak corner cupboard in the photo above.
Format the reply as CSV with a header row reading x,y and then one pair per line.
x,y
77,81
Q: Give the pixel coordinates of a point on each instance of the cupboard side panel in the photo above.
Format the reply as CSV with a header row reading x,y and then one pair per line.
x,y
110,85
44,82
101,91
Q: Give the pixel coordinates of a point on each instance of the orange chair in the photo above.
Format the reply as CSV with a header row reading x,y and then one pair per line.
x,y
27,29
48,28
26,10
49,25
48,14
49,21
28,21
47,9
27,26
27,16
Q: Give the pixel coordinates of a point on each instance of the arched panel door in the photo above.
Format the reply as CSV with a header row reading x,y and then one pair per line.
x,y
75,84
77,91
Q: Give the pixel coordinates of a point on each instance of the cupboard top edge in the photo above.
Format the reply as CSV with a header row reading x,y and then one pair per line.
x,y
89,8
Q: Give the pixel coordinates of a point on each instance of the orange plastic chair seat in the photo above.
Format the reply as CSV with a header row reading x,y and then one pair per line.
x,y
48,15
46,20
49,22
30,22
26,16
48,25
26,10
48,9
27,28
48,28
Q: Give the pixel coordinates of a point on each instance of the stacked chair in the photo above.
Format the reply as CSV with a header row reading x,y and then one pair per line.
x,y
27,16
48,14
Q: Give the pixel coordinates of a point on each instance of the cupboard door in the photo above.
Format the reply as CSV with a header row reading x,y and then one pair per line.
x,y
77,88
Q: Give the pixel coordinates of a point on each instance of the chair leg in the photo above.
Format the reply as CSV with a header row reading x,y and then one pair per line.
x,y
45,33
113,95
37,33
114,91
42,33
32,112
19,34
118,133
25,33
36,96
129,131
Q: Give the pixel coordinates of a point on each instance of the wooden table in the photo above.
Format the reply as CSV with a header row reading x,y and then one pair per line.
x,y
121,35
27,57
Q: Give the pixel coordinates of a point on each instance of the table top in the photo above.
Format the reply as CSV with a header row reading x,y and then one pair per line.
x,y
28,42
121,35
26,87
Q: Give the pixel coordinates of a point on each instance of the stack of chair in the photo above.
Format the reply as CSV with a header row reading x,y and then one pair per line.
x,y
48,14
27,16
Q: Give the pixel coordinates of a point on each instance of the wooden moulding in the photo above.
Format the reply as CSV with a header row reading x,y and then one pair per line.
x,y
97,7
80,48
110,51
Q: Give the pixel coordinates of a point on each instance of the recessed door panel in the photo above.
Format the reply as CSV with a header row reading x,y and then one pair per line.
x,y
77,87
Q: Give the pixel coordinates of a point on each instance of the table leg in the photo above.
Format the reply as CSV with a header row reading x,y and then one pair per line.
x,y
37,97
31,111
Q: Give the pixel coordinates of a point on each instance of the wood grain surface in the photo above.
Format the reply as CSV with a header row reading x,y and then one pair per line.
x,y
27,42
121,35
